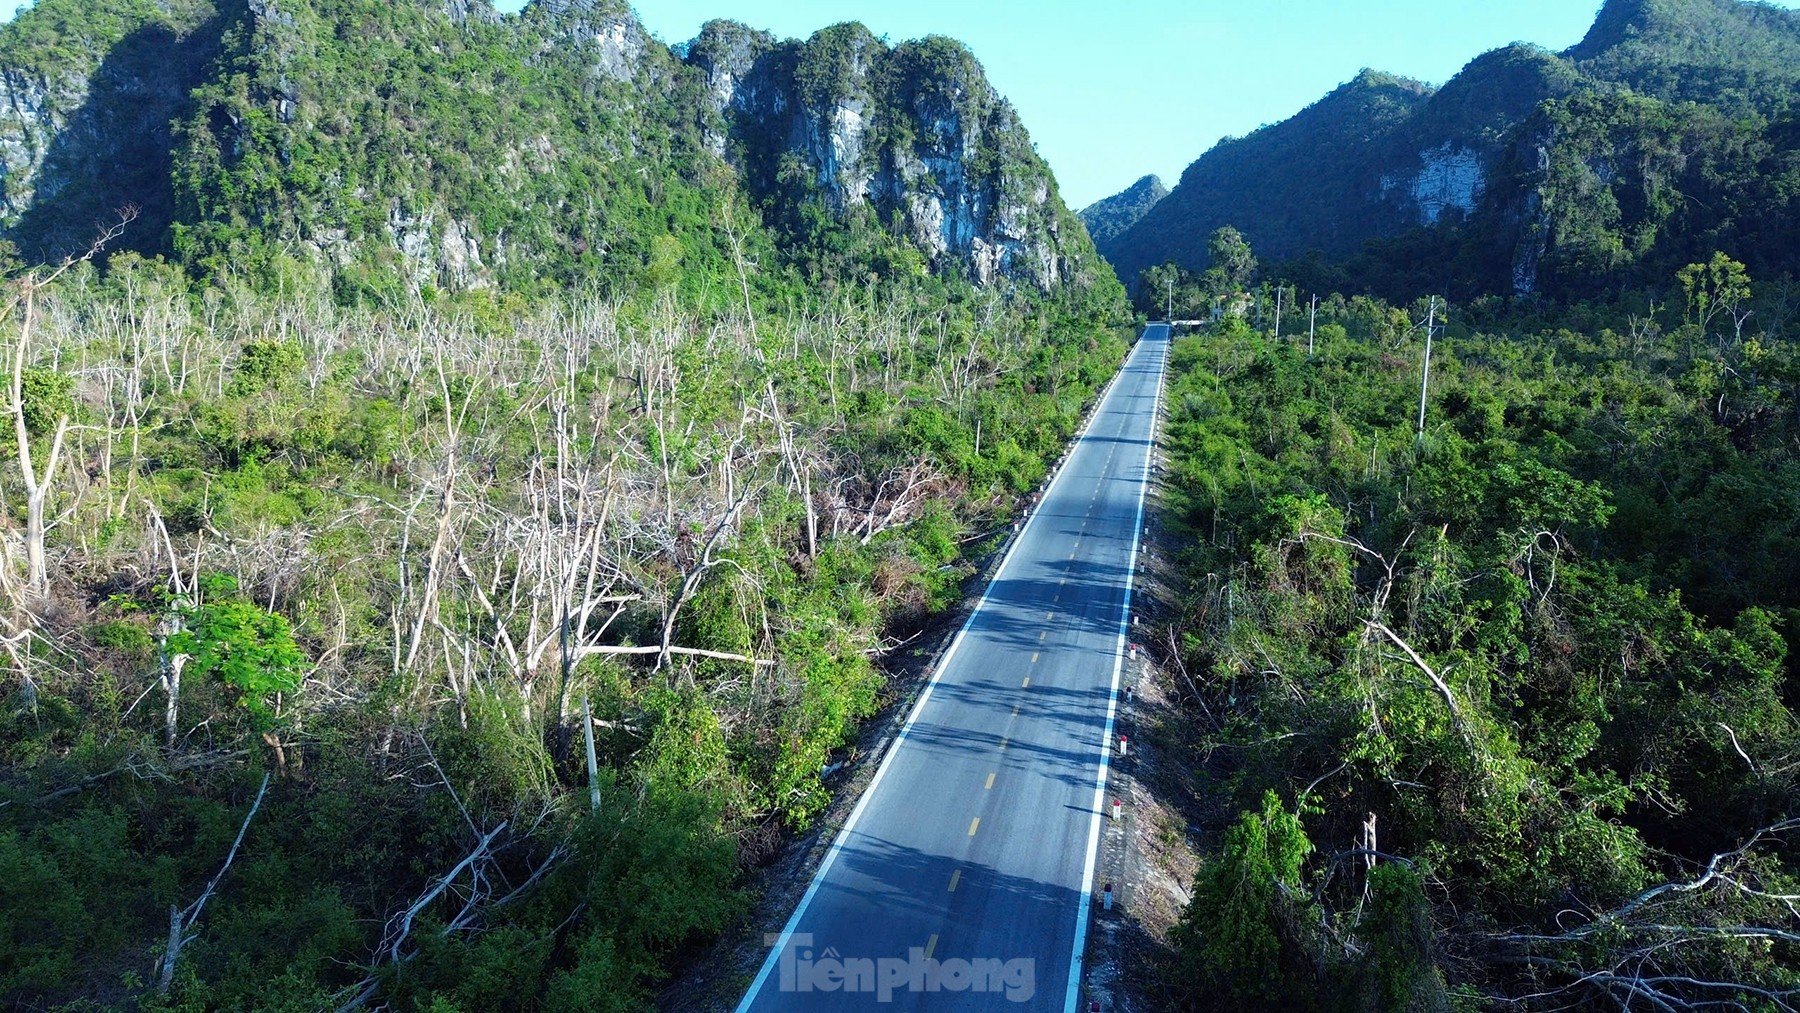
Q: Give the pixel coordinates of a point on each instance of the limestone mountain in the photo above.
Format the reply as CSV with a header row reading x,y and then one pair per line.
x,y
912,137
441,144
1741,57
1379,155
1110,217
1527,172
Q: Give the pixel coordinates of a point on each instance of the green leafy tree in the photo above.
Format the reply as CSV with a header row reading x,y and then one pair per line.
x,y
1404,975
250,650
1718,286
48,398
1232,265
1238,931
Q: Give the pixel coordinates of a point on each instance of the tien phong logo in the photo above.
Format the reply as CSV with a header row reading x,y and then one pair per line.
x,y
806,969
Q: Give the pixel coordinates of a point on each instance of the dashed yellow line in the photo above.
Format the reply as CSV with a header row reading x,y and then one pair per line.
x,y
1034,656
955,878
1026,684
1003,741
990,781
931,946
974,825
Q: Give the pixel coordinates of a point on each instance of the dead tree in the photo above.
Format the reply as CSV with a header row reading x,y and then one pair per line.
x,y
1650,951
182,920
38,481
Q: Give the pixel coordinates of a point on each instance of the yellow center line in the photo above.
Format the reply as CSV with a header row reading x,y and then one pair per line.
x,y
1034,656
1050,615
1026,684
1003,743
955,877
930,946
990,781
1015,710
974,825
1042,634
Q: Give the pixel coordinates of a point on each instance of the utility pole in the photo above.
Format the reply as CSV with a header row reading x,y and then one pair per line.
x,y
1171,311
1279,289
1425,383
1312,325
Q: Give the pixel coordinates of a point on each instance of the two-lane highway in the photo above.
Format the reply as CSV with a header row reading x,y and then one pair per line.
x,y
963,877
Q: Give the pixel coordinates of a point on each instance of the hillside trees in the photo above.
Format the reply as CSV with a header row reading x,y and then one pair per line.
x,y
1718,287
1230,264
1171,288
1517,645
388,555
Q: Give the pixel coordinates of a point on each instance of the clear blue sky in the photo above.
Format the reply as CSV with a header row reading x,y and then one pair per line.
x,y
1115,89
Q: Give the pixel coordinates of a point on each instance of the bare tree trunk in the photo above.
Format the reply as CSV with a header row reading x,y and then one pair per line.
x,y
1425,382
37,487
182,920
172,684
593,762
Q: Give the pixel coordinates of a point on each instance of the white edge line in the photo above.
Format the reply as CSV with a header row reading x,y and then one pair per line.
x,y
837,845
1112,702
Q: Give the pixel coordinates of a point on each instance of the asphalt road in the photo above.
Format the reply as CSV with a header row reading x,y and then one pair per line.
x,y
963,878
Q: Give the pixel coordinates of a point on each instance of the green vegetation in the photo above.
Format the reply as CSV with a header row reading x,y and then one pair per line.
x,y
1626,191
1667,134
1742,58
1110,218
1524,678
451,400
392,556
440,155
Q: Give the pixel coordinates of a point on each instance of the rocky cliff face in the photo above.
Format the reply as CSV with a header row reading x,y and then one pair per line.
x,y
913,133
604,33
34,110
87,131
315,124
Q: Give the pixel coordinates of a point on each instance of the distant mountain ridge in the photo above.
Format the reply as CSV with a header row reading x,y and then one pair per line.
x,y
1491,173
1110,217
444,143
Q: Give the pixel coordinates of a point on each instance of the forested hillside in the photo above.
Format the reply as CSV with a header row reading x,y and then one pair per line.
x,y
1111,217
420,145
485,472
1489,694
1667,133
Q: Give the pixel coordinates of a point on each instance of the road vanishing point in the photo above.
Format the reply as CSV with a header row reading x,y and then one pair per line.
x,y
964,876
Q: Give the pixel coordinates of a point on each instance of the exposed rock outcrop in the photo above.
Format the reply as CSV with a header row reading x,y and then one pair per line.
x,y
913,134
909,139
